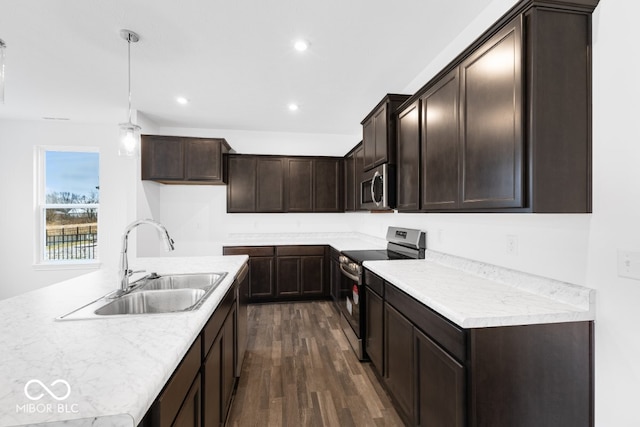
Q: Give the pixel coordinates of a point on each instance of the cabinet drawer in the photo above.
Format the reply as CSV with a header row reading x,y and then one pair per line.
x,y
214,324
374,282
446,334
248,250
299,250
170,400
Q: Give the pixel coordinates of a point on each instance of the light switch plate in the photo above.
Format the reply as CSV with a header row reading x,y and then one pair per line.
x,y
629,264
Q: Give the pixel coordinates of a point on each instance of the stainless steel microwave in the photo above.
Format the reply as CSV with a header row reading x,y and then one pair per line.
x,y
378,188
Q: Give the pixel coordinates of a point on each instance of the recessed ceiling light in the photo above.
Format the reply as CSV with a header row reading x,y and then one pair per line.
x,y
300,45
182,100
293,107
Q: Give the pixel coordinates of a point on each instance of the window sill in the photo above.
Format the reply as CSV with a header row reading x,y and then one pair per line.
x,y
69,265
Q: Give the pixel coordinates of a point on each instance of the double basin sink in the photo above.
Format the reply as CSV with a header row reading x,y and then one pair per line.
x,y
153,294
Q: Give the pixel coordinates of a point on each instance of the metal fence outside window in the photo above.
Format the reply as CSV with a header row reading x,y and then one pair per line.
x,y
71,242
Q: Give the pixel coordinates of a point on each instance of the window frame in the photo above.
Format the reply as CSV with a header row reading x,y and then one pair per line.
x,y
41,206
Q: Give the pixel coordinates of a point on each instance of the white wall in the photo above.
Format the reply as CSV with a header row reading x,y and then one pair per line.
x,y
196,216
18,140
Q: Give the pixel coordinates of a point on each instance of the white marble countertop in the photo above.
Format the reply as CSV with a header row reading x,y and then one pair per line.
x,y
469,293
339,241
476,295
114,367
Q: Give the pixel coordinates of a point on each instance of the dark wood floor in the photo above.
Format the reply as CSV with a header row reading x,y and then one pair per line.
x,y
300,371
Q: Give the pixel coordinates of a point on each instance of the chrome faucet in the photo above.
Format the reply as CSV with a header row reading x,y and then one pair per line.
x,y
125,272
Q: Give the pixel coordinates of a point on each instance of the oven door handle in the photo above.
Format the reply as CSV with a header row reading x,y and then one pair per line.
x,y
349,274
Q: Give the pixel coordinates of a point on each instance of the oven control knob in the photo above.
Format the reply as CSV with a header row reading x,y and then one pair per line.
x,y
343,259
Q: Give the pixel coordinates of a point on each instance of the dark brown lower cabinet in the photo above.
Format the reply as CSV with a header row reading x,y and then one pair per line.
x,y
184,382
399,375
200,391
439,374
190,413
242,317
375,330
439,387
261,270
285,272
300,270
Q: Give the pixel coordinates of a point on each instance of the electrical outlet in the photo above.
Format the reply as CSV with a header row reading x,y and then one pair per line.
x,y
440,236
629,264
512,244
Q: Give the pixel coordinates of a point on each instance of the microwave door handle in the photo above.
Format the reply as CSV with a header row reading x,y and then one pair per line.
x,y
373,184
349,275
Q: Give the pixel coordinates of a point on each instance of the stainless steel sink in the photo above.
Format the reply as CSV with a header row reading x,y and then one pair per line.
x,y
180,281
153,294
166,301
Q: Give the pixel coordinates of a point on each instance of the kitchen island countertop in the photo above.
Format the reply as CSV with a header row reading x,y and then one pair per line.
x,y
114,367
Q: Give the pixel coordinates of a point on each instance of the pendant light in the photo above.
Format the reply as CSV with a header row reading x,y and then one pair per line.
x,y
3,46
129,140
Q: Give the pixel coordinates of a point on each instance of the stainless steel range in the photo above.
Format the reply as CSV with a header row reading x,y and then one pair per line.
x,y
402,243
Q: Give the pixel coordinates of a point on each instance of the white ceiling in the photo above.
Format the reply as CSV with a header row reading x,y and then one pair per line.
x,y
234,59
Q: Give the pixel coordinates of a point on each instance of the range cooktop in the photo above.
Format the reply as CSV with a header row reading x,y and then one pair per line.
x,y
373,255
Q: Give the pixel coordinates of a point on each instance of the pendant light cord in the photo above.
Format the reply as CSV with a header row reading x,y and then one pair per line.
x,y
129,74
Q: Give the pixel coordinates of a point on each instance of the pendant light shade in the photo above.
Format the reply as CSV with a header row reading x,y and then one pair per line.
x,y
129,138
3,46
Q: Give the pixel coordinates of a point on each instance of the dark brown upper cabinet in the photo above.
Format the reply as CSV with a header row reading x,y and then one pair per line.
x,y
270,184
327,185
379,132
408,160
441,144
491,126
353,168
284,184
506,126
300,178
241,189
182,160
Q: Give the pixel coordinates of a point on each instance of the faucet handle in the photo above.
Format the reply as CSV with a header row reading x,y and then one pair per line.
x,y
132,272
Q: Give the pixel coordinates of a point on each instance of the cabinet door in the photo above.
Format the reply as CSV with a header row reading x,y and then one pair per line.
x,y
350,183
242,319
491,122
440,390
359,164
380,123
190,414
300,185
336,276
408,167
288,275
369,143
398,365
270,185
241,190
261,273
327,185
440,144
212,402
375,329
228,377
203,159
162,158
312,275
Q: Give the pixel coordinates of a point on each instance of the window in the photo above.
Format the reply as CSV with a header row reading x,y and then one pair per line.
x,y
67,205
